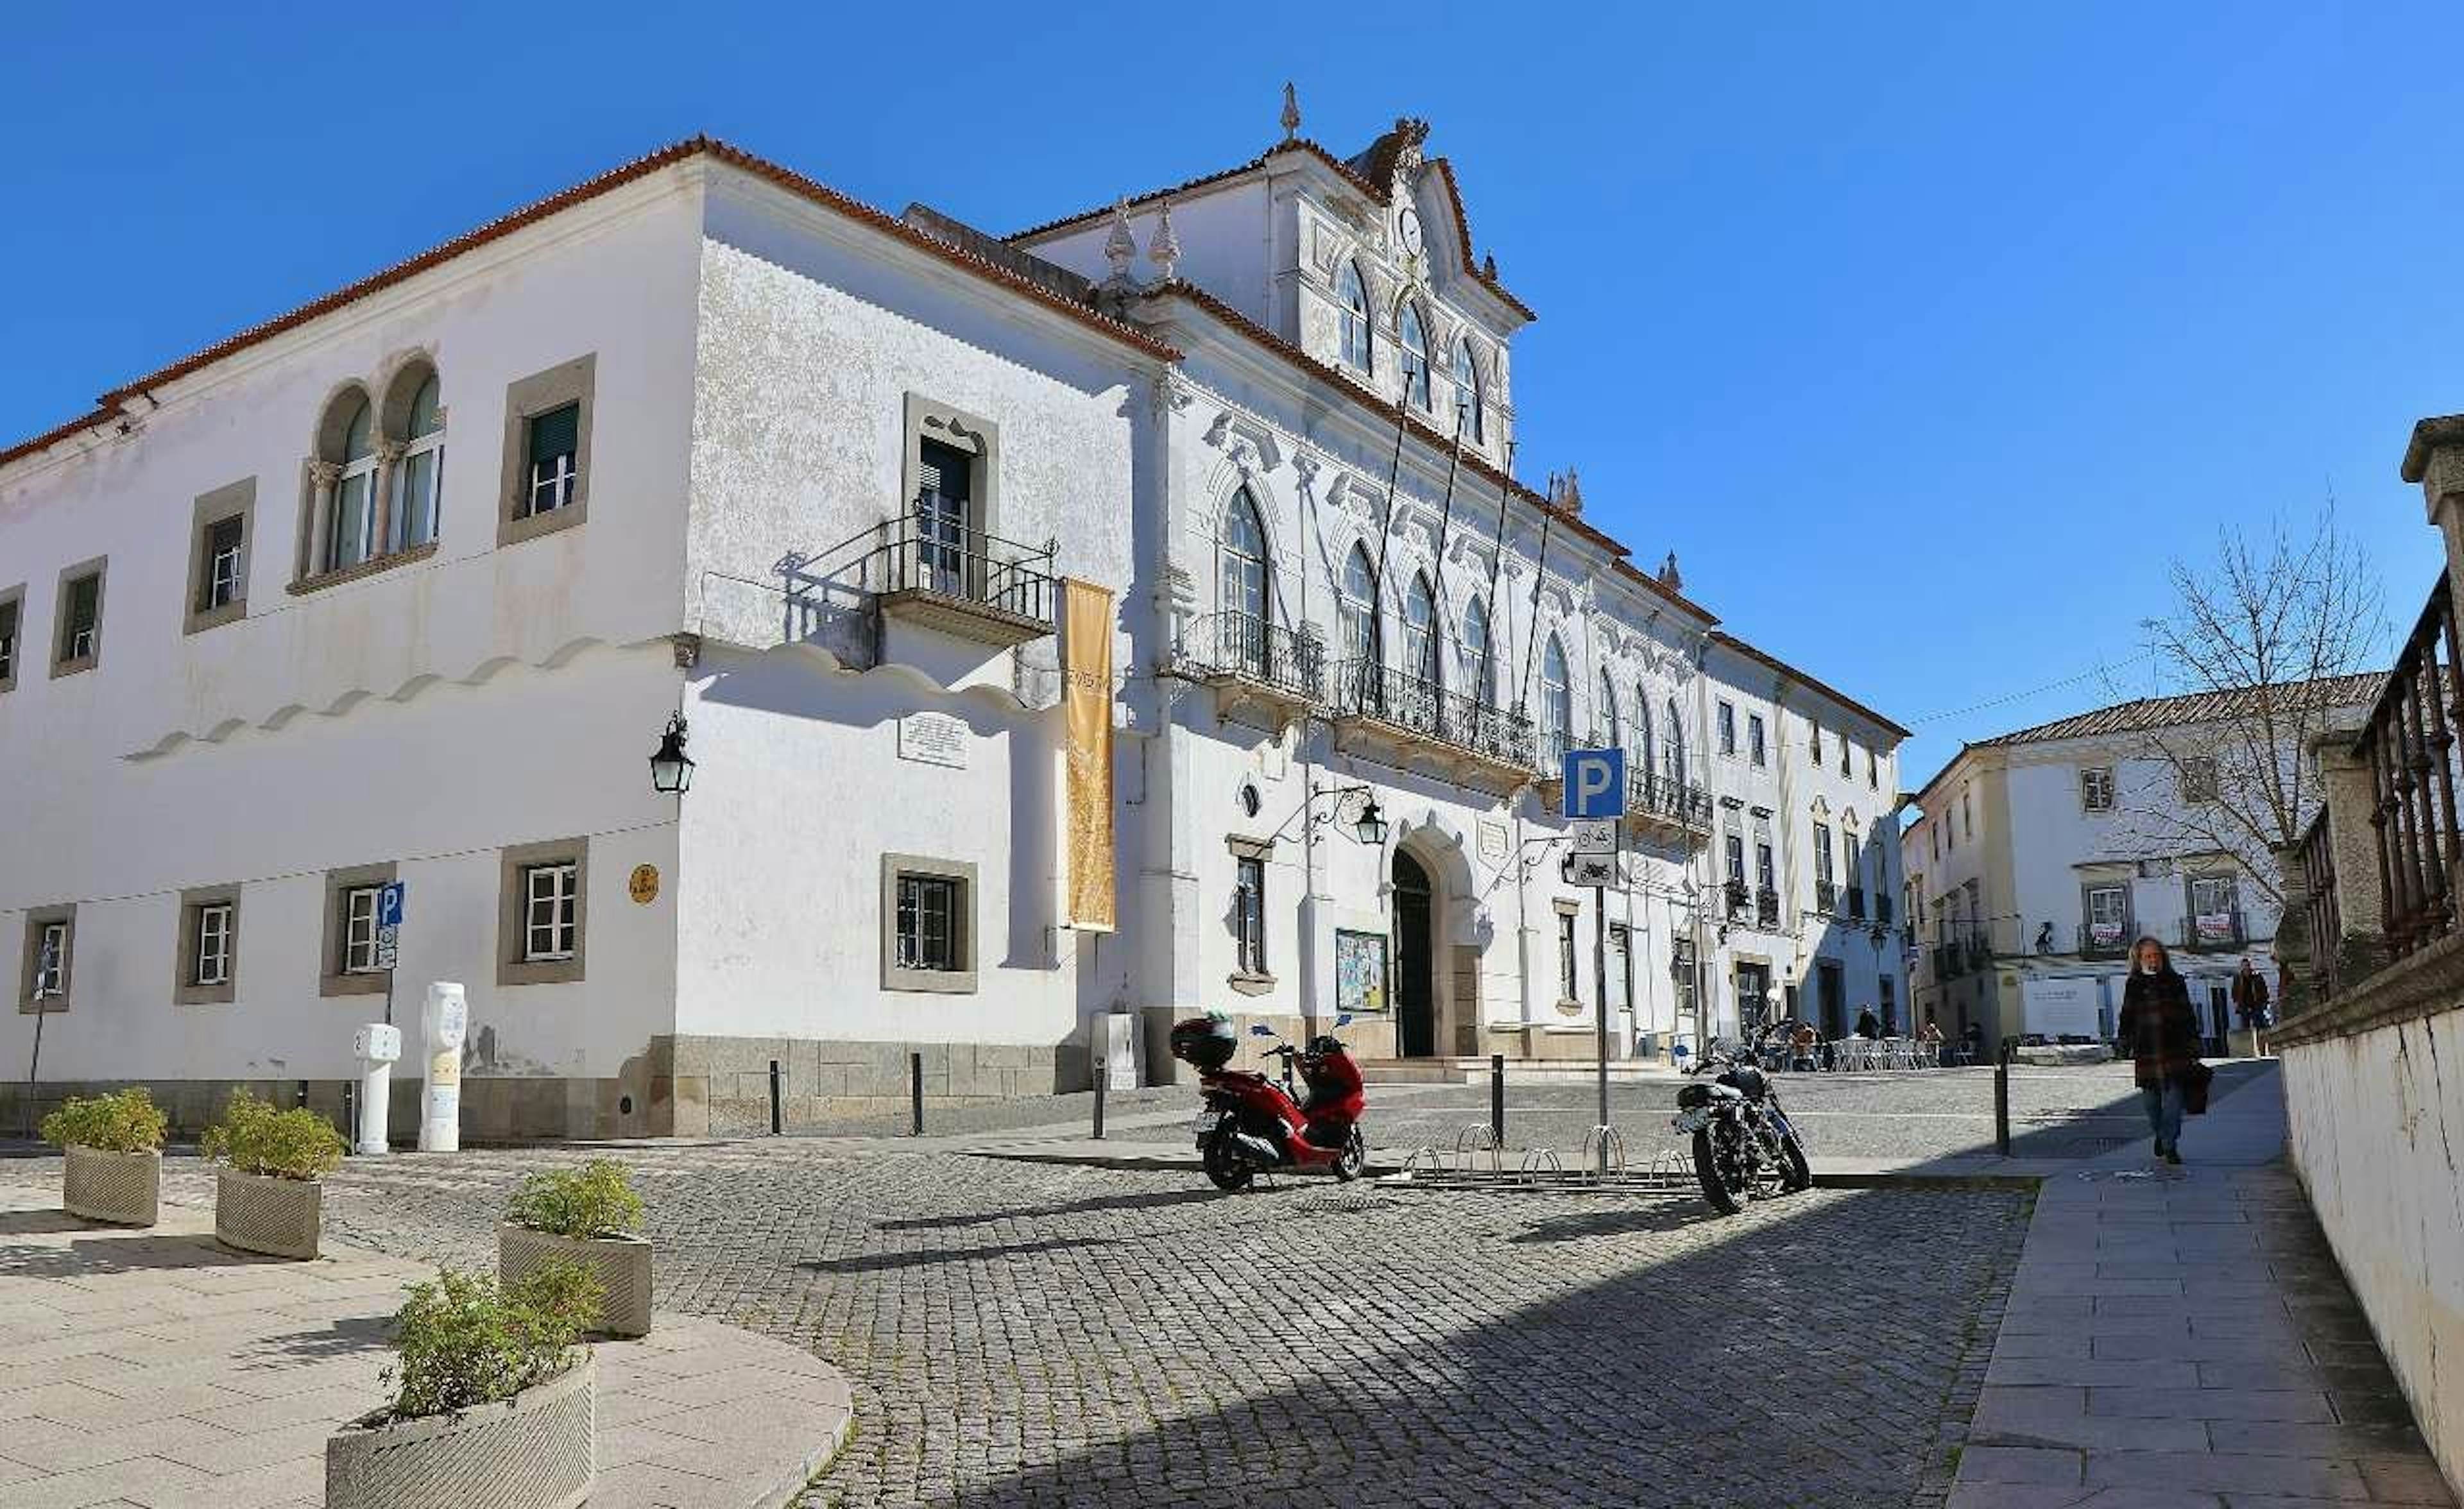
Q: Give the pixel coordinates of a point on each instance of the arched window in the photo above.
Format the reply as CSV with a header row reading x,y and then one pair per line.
x,y
1640,755
1360,613
1611,724
423,460
1556,704
1354,295
1419,632
1416,354
1245,574
1478,673
1467,393
1674,754
348,442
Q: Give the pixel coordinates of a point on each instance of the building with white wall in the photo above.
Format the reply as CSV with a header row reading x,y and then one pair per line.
x,y
2039,856
1043,623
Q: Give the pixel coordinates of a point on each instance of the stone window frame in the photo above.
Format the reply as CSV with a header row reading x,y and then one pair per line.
x,y
14,599
514,864
332,979
2090,779
1260,980
931,419
185,989
98,568
38,918
574,381
1569,954
232,500
945,982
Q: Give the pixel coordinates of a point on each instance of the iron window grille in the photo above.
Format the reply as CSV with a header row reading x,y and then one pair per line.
x,y
929,922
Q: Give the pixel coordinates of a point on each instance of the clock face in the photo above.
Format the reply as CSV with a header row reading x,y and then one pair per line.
x,y
1410,226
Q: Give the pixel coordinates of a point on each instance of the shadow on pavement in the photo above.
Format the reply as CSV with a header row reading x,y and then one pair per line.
x,y
1665,1215
876,1263
1114,1202
90,1256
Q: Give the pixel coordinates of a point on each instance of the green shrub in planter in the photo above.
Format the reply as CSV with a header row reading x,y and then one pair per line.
x,y
254,1138
124,1121
462,1342
594,1200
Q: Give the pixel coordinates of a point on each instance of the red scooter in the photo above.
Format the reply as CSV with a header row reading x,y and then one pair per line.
x,y
1250,1122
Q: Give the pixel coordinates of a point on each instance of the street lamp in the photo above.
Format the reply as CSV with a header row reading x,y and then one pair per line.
x,y
671,768
1370,828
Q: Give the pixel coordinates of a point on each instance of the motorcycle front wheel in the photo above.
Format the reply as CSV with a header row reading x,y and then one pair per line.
x,y
1795,1174
1354,1160
1226,1164
1725,1197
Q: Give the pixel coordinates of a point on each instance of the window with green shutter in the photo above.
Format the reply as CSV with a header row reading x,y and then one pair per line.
x,y
554,459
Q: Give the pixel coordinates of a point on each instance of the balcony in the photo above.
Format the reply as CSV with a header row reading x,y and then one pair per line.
x,y
2105,939
1964,949
1766,907
1258,671
1416,724
1734,893
1671,809
2212,933
927,569
1826,895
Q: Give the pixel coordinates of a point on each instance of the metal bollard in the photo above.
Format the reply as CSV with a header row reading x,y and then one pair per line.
x,y
350,1109
2002,1099
1497,1099
915,1090
300,1095
1100,1078
778,1102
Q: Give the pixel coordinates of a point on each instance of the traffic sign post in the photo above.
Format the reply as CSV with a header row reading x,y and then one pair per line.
x,y
389,935
1593,799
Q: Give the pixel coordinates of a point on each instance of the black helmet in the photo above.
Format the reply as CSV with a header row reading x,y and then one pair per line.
x,y
1204,1043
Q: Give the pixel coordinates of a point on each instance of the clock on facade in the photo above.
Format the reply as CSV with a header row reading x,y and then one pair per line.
x,y
1409,228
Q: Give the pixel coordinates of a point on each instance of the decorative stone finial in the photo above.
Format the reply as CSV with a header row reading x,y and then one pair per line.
x,y
1488,267
1669,575
1163,248
1120,247
1291,112
1566,491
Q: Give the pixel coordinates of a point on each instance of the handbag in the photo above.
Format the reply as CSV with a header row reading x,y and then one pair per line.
x,y
2194,1089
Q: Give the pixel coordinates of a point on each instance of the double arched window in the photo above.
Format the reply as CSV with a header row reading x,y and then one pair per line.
x,y
1674,754
1467,394
1360,613
1476,653
1556,703
1353,293
1421,634
346,442
1416,354
1244,574
423,460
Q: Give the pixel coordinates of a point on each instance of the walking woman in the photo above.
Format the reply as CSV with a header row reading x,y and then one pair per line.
x,y
2162,1034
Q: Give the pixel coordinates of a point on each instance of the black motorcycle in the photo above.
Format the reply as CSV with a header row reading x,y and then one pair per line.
x,y
1744,1147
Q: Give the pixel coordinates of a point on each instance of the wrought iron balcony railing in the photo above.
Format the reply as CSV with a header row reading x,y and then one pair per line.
x,y
1369,689
1245,645
1653,796
929,564
1767,906
1857,903
1826,895
2215,931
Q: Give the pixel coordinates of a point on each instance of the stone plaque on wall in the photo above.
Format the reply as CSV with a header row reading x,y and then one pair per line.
x,y
1492,841
932,738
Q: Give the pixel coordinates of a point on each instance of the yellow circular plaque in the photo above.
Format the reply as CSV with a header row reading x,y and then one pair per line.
x,y
644,886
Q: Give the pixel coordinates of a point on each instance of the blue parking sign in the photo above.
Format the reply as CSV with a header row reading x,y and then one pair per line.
x,y
1594,784
389,905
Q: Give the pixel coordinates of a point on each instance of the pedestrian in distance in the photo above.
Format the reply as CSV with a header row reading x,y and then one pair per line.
x,y
1802,1047
1868,1025
2249,998
2161,1033
1930,1035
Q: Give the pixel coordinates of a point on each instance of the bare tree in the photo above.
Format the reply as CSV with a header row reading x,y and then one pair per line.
x,y
2276,637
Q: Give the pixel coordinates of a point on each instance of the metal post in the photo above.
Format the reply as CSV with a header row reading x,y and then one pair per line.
x,y
778,1102
915,1090
2002,1099
1497,1099
350,1109
300,1098
1600,1010
1101,1075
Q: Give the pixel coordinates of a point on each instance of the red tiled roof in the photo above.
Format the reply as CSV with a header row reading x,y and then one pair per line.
x,y
1369,397
590,189
2144,714
1730,640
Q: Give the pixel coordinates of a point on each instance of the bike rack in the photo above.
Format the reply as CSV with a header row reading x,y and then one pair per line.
x,y
1604,1154
1473,1139
1542,1163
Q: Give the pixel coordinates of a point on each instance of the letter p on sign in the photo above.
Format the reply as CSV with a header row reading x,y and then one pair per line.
x,y
1594,783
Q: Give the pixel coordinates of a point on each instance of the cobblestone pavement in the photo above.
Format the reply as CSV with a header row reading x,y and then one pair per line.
x,y
1022,1335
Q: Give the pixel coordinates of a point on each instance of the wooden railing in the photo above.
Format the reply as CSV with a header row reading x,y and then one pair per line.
x,y
2408,747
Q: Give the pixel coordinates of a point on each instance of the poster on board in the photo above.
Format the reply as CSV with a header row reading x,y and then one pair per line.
x,y
1359,970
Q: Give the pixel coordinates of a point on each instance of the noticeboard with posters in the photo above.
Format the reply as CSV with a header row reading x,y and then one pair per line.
x,y
1359,970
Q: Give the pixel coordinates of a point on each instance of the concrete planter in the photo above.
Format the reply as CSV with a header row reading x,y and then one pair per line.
x,y
534,1451
278,1217
621,1263
122,1188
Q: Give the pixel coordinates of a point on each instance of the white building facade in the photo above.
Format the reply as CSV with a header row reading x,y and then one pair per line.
x,y
403,586
2040,857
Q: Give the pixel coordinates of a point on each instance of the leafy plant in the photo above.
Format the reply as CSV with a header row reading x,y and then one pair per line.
x,y
461,1342
594,1200
253,1137
124,1121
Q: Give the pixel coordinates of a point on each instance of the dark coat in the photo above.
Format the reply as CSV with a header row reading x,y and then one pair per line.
x,y
2157,1028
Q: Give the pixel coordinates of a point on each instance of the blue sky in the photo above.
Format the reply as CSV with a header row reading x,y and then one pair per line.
x,y
1925,336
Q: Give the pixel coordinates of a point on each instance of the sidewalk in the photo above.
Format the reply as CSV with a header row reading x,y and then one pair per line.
x,y
2182,1339
154,1367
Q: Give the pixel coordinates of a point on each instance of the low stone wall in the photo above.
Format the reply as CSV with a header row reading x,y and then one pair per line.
x,y
2374,1093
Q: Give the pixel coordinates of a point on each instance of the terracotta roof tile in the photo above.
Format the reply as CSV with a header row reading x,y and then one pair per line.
x,y
2145,713
590,189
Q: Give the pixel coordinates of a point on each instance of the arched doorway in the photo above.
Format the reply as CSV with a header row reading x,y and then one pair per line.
x,y
1416,995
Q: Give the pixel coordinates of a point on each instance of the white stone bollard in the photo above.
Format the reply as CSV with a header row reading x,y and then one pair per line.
x,y
378,1045
444,1021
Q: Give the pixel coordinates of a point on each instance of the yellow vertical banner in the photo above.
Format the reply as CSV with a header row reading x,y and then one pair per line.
x,y
1087,713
